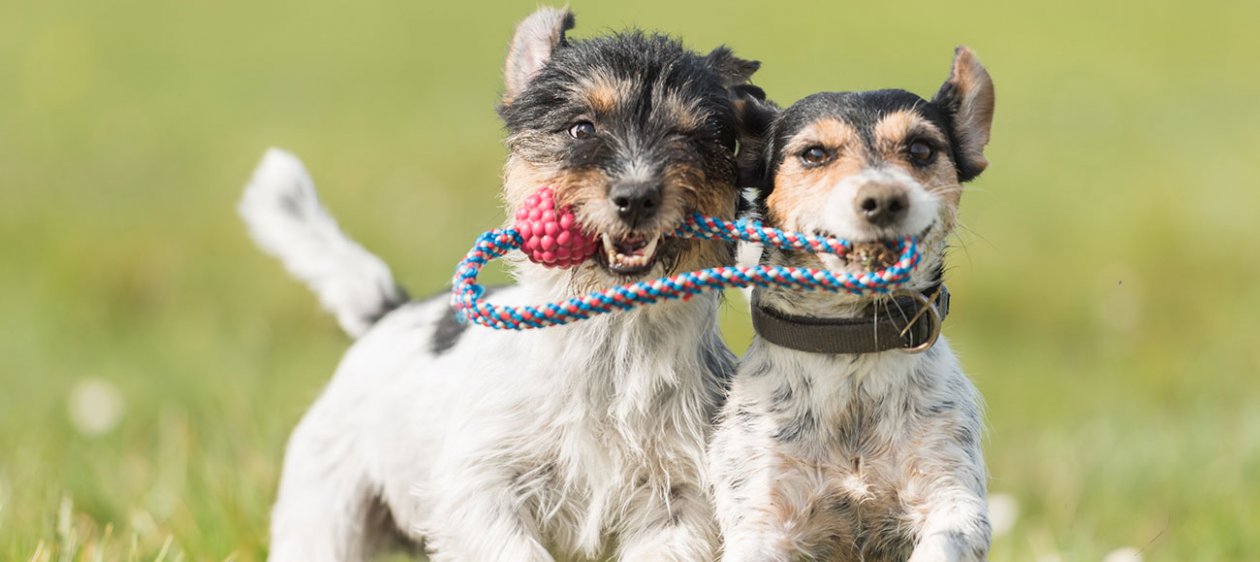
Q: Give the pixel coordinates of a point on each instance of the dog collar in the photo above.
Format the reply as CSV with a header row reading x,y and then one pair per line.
x,y
915,330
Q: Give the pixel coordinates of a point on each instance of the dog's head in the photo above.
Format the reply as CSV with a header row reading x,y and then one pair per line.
x,y
632,130
873,167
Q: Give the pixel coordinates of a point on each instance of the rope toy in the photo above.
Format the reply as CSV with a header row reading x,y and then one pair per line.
x,y
466,293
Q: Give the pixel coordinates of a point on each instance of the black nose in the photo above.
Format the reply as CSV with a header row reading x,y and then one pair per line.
x,y
882,204
636,201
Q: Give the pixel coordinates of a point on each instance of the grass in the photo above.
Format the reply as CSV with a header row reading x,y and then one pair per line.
x,y
1105,284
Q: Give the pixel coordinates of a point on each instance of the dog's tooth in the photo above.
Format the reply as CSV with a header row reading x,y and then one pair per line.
x,y
650,249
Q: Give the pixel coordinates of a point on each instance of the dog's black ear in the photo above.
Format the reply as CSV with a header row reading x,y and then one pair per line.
x,y
755,115
733,70
536,38
967,98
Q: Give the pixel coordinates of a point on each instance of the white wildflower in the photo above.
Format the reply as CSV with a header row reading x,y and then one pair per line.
x,y
95,405
1126,554
1003,512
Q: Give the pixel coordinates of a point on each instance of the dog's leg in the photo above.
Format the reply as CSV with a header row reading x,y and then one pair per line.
x,y
950,484
755,543
750,524
499,538
947,488
956,530
476,516
679,527
754,527
757,528
326,506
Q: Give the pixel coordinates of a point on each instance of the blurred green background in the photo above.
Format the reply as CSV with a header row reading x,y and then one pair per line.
x,y
152,362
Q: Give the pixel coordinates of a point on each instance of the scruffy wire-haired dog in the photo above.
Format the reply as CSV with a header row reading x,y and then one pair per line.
x,y
580,441
836,443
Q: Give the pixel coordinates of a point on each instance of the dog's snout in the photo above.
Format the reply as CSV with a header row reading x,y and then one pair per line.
x,y
636,201
882,204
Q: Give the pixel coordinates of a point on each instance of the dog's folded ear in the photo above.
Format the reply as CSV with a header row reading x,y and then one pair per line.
x,y
967,98
733,70
753,113
536,38
755,116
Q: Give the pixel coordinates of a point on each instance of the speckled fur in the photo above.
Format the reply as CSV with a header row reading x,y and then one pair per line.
x,y
873,457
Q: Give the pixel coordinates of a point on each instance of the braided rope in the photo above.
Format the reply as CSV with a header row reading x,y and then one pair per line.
x,y
466,293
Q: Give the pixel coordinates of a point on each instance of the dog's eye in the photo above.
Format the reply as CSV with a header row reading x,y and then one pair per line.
x,y
921,153
815,155
582,130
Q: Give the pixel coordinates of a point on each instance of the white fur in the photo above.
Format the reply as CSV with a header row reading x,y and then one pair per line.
x,y
285,218
748,254
577,442
839,216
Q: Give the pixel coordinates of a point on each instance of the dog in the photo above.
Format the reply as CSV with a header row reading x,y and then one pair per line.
x,y
572,442
849,433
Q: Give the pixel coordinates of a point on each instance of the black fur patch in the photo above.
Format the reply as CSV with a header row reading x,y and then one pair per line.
x,y
782,394
388,306
719,362
792,431
448,330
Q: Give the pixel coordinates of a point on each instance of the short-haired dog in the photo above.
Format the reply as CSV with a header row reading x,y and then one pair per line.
x,y
577,442
851,432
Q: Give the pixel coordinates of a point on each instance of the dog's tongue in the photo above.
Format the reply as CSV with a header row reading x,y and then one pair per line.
x,y
552,236
632,245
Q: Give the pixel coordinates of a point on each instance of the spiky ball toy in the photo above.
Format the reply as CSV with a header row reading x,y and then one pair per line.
x,y
550,234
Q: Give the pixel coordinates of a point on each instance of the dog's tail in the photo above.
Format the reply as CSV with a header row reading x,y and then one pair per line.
x,y
286,219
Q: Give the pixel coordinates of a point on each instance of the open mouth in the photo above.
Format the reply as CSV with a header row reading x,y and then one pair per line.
x,y
630,255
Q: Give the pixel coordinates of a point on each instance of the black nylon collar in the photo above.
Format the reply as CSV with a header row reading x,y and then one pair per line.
x,y
865,334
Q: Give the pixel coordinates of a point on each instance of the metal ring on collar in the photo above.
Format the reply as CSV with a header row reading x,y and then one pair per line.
x,y
928,307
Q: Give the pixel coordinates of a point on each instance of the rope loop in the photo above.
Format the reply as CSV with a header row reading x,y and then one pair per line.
x,y
466,293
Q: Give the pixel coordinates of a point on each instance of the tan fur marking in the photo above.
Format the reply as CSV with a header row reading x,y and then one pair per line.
x,y
520,180
690,189
523,178
895,131
892,132
604,93
602,99
829,132
684,114
797,186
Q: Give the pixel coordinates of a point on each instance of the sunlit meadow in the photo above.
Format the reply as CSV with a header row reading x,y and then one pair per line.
x,y
152,362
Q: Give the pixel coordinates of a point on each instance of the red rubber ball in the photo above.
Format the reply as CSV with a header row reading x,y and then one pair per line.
x,y
552,236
